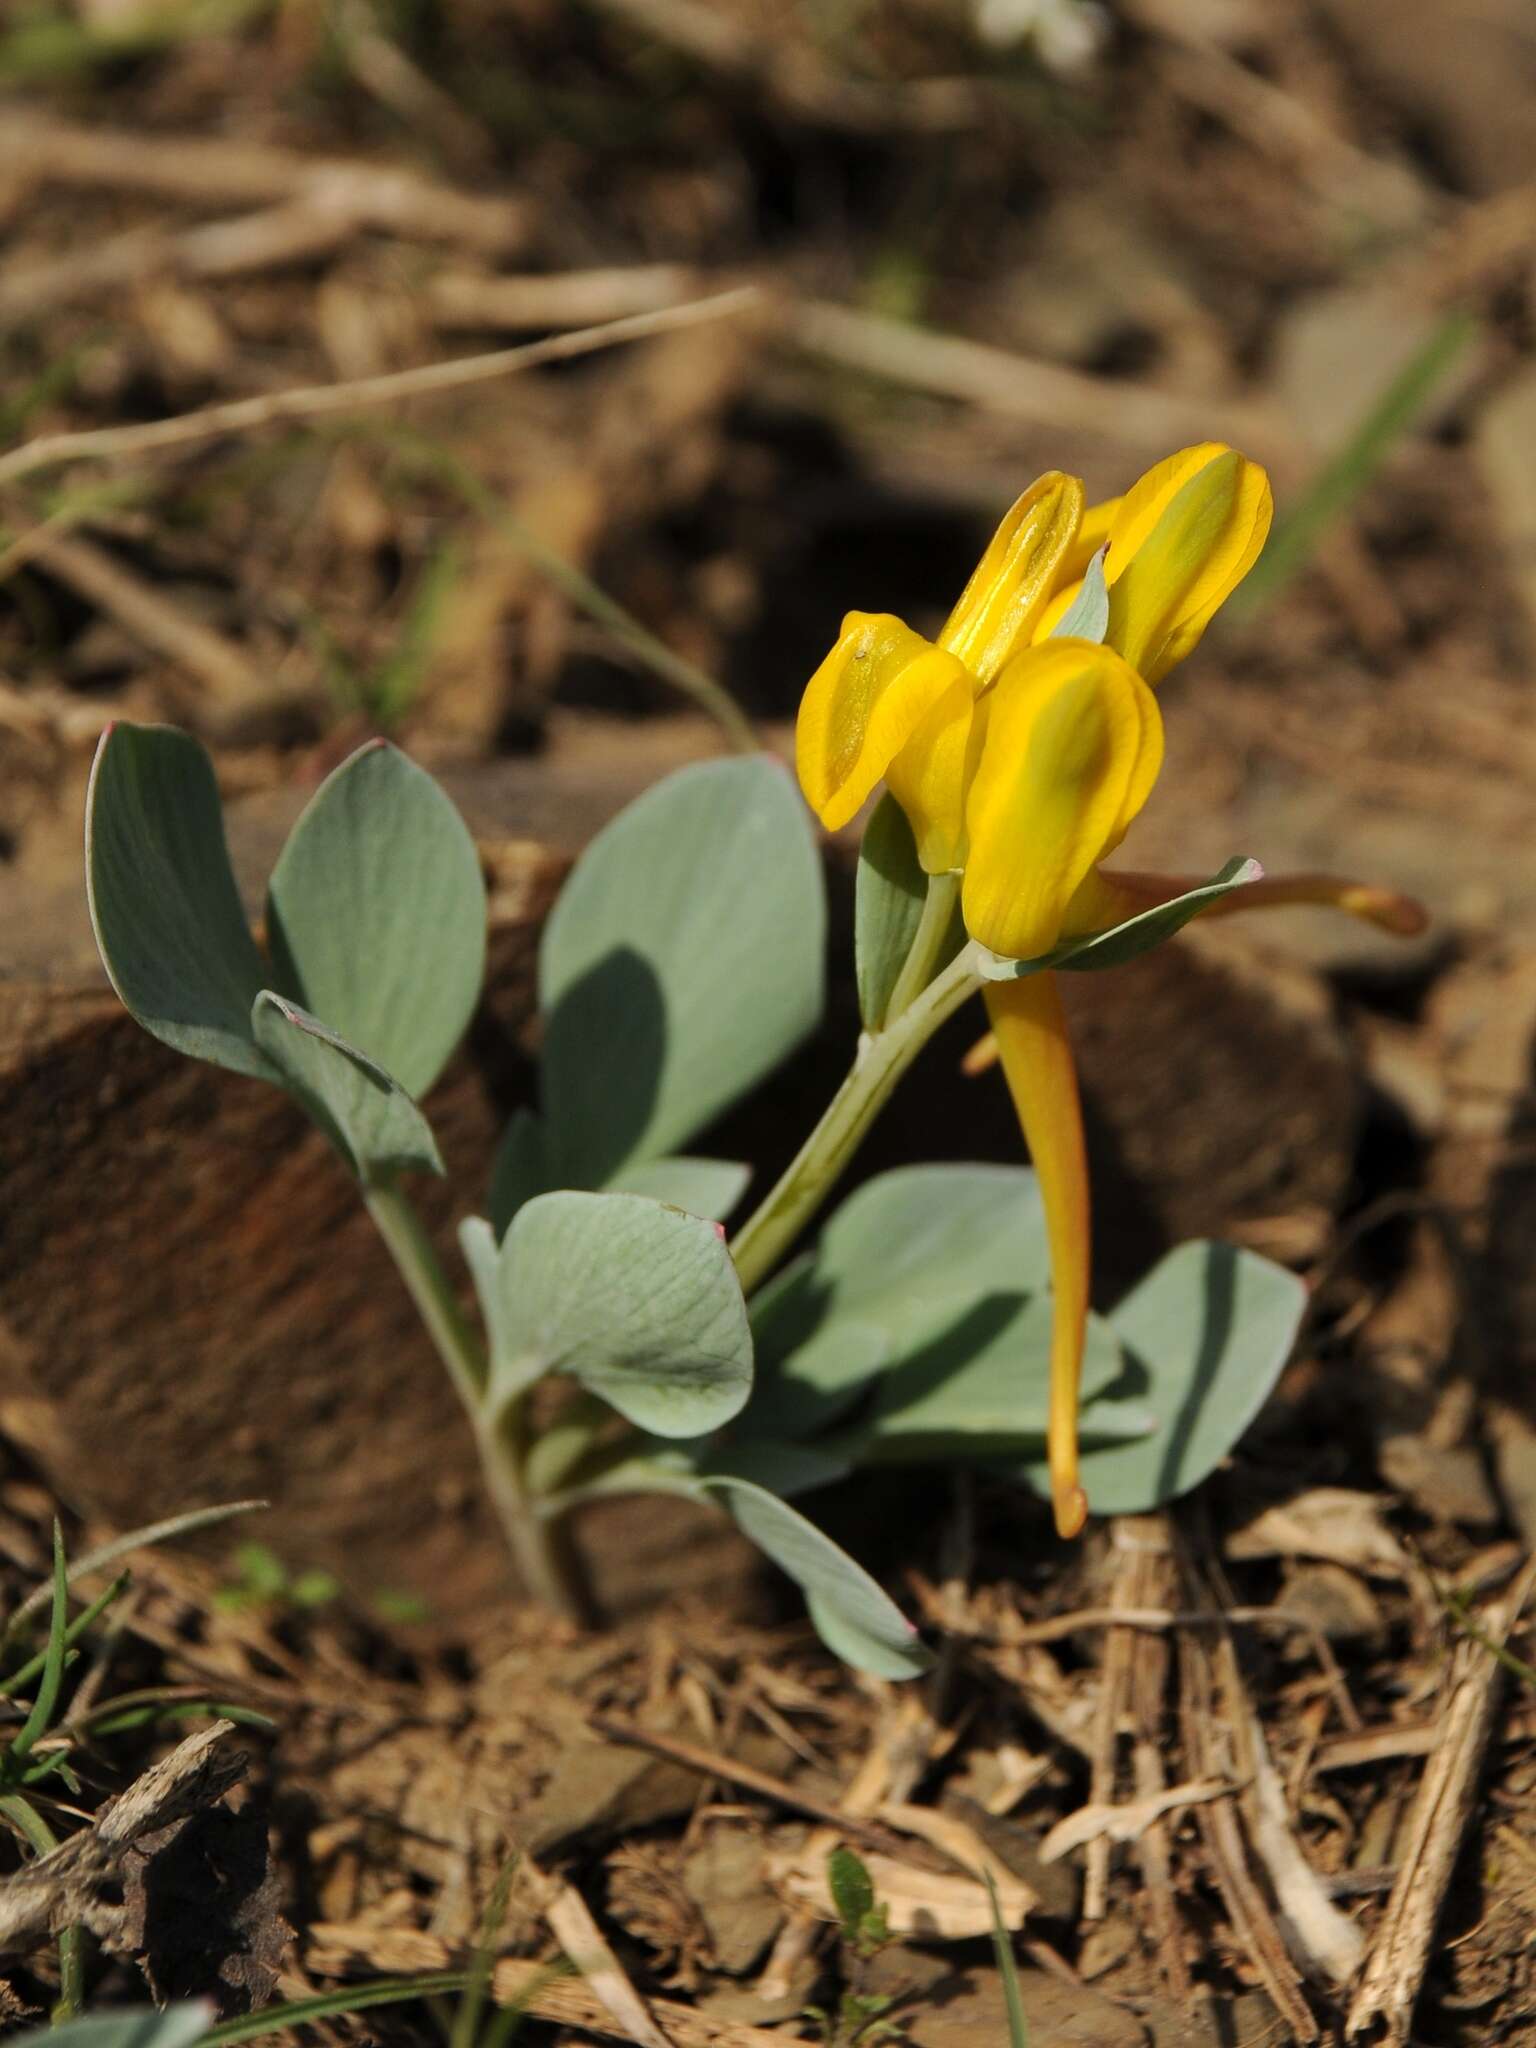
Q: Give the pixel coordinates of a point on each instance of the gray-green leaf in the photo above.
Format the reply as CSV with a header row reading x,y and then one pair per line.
x,y
710,1188
683,961
166,913
1208,1331
929,1292
521,1168
856,1619
376,914
359,1104
178,2026
638,1302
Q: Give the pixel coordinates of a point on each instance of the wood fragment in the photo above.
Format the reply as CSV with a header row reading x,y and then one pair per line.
x,y
929,1905
1401,1944
65,1887
1374,1746
1329,1939
270,238
315,401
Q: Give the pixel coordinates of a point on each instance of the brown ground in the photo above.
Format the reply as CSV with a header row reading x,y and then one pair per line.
x,y
1240,219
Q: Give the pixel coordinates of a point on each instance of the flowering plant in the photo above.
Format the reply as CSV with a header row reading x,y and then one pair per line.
x,y
945,1310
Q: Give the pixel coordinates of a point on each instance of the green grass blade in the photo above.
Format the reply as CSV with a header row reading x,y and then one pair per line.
x,y
1008,1970
23,1677
40,1719
466,2020
1331,493
274,2019
136,1539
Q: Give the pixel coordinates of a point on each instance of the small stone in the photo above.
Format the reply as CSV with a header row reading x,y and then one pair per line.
x,y
1447,1484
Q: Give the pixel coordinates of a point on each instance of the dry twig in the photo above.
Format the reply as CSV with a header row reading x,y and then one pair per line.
x,y
1208,1746
314,401
1389,1984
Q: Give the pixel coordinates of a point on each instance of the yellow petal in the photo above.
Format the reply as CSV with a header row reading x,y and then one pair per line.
x,y
1183,539
1073,745
1031,1034
929,778
864,703
1014,579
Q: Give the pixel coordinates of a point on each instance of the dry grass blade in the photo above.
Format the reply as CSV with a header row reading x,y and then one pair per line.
x,y
581,1939
1209,1748
526,1987
564,298
1130,1821
1066,401
315,401
1389,1984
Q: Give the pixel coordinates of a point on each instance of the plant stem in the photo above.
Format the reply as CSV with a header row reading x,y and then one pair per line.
x,y
927,945
26,1819
882,1058
496,1437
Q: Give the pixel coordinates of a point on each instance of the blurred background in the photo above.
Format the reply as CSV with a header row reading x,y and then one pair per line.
x,y
986,237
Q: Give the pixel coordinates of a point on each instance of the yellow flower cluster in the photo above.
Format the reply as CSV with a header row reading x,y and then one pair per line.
x,y
1021,745
1019,755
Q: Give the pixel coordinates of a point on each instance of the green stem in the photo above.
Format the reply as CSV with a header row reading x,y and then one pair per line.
x,y
882,1058
27,1821
922,961
498,1439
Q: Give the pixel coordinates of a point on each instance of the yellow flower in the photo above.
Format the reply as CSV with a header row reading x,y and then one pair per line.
x,y
1021,758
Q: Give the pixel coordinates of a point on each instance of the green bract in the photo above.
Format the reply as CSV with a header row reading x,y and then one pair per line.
x,y
682,963
1135,936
